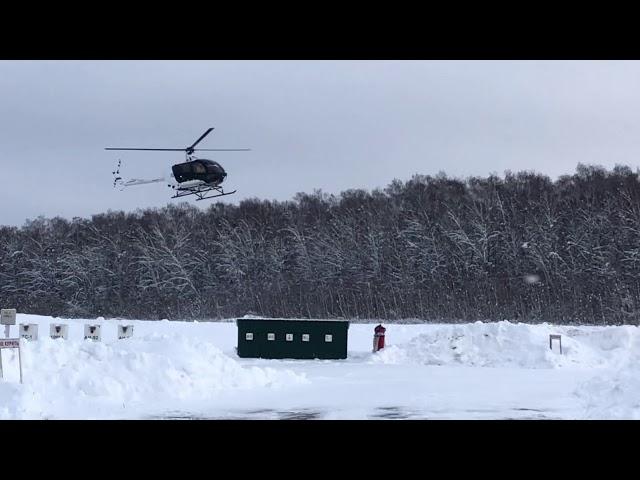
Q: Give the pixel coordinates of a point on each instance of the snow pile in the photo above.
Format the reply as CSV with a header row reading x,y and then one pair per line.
x,y
614,393
613,396
190,369
505,344
125,379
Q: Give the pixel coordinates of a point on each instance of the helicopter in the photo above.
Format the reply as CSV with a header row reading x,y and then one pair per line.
x,y
196,176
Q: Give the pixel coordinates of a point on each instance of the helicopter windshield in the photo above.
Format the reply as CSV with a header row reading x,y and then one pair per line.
x,y
182,168
213,168
199,168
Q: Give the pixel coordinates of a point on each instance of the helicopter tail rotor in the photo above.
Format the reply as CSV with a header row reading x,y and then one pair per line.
x,y
117,179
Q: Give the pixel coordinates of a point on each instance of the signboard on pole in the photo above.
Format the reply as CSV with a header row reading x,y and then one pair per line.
x,y
92,332
10,343
555,337
8,316
59,331
29,332
125,331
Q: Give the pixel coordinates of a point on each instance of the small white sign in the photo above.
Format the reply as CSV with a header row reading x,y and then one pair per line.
x,y
8,316
125,331
29,331
305,337
9,343
328,338
271,336
555,337
289,337
58,331
92,332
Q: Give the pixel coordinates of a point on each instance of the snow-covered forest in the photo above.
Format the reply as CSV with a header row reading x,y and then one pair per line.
x,y
519,247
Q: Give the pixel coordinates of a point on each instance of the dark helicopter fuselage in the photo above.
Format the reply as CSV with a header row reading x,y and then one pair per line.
x,y
201,169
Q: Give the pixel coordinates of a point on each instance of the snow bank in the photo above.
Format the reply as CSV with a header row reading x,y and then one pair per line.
x,y
191,368
614,393
505,344
613,396
126,378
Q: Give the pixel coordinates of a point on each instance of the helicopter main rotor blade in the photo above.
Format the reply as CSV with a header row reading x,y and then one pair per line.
x,y
190,149
153,149
182,149
199,140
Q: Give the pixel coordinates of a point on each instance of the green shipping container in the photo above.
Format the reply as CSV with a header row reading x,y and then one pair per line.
x,y
292,338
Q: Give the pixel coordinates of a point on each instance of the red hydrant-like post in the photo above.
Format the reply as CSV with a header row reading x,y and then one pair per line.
x,y
378,338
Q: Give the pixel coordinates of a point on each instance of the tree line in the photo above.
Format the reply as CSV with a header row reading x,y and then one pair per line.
x,y
519,247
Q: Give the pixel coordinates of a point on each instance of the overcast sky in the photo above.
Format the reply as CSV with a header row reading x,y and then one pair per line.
x,y
330,125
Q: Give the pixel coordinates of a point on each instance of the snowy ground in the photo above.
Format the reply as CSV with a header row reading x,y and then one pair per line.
x,y
190,370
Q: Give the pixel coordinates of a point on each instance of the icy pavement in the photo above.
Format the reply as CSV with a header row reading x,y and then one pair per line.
x,y
189,370
370,391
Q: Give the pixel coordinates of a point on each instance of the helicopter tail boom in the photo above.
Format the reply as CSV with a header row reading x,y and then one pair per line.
x,y
138,181
120,182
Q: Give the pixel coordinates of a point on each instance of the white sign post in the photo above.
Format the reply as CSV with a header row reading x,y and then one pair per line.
x,y
29,332
555,337
10,343
7,318
58,331
125,331
92,332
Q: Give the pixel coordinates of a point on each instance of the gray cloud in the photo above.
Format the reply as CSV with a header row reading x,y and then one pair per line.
x,y
332,125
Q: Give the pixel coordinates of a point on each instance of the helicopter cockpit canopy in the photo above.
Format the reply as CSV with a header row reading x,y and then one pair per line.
x,y
205,170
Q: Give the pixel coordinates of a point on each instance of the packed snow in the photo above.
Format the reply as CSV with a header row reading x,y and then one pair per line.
x,y
504,344
431,371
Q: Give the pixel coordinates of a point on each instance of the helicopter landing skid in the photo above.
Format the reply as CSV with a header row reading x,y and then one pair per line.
x,y
201,192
